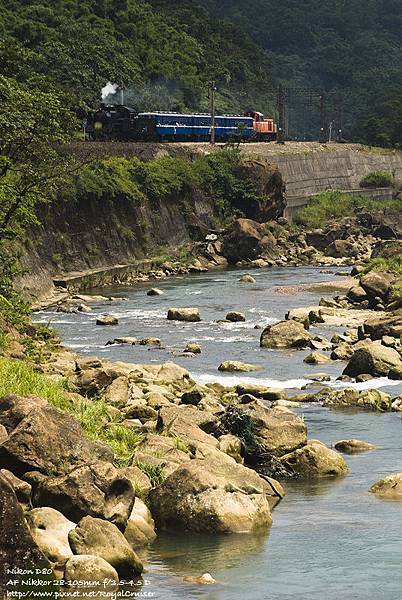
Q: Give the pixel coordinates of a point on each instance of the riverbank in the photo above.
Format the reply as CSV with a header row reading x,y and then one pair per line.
x,y
168,418
183,407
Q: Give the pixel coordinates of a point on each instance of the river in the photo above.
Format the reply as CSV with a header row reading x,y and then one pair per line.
x,y
329,539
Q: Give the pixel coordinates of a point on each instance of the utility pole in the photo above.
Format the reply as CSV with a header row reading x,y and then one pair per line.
x,y
281,116
322,118
212,91
330,131
122,88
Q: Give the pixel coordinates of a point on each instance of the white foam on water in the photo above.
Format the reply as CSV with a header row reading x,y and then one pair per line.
x,y
139,314
372,384
232,380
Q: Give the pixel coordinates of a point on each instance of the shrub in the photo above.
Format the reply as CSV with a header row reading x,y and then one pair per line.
x,y
377,179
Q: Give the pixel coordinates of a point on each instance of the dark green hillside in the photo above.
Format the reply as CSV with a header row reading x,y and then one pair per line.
x,y
164,59
352,48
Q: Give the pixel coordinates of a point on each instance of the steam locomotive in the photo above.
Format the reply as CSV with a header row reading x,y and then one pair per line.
x,y
122,123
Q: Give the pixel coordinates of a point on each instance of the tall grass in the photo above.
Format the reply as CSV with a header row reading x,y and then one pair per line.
x,y
19,377
334,205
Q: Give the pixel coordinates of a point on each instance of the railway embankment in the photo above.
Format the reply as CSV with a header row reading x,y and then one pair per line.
x,y
150,200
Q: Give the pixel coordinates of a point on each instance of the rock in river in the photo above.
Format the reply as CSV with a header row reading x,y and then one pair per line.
x,y
315,460
285,334
353,446
191,315
154,292
101,538
216,495
236,366
50,529
389,488
107,320
88,568
374,359
316,358
247,278
235,317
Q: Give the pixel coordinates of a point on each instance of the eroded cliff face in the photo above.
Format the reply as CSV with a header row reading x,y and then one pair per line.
x,y
93,233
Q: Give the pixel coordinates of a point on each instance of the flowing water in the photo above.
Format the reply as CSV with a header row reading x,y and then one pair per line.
x,y
330,539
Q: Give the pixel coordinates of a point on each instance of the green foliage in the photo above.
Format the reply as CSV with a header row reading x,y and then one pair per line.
x,y
156,473
164,55
19,377
390,261
332,205
376,179
351,50
234,421
172,178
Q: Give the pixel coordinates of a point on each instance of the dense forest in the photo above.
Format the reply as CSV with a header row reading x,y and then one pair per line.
x,y
166,51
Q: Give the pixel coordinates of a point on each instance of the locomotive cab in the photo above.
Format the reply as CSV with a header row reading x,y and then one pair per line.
x,y
265,129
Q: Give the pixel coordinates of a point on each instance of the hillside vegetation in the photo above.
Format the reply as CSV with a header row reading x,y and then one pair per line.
x,y
166,51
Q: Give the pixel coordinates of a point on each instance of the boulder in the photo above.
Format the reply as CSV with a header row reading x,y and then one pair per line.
x,y
389,488
246,240
374,359
50,441
22,489
97,489
14,408
195,394
353,446
193,348
161,454
139,479
285,334
107,320
342,352
50,529
314,460
154,292
274,431
94,569
140,529
315,358
92,381
184,314
122,341
377,284
357,294
375,400
216,495
117,393
261,391
17,547
235,317
340,249
187,422
162,374
232,446
101,538
247,278
236,366
389,325
150,341
301,315
3,434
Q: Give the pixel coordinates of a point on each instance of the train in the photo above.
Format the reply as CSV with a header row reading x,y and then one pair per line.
x,y
117,122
